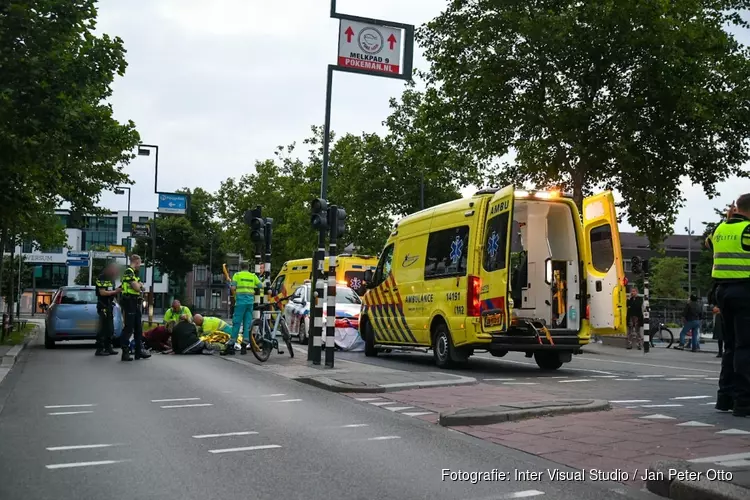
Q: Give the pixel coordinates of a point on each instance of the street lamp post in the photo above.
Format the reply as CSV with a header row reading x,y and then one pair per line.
x,y
121,190
145,150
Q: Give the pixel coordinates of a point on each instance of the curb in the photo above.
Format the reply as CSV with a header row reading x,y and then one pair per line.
x,y
661,483
332,385
491,415
10,357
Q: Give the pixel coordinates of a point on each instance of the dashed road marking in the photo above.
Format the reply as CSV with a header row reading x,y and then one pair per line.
x,y
174,400
350,426
678,378
287,401
693,376
711,403
383,438
631,401
658,416
367,399
574,381
50,407
721,458
522,494
711,378
734,432
69,412
398,408
604,376
628,380
188,406
416,413
383,403
520,383
80,447
675,405
84,464
498,379
226,434
246,448
693,423
273,395
690,397
653,376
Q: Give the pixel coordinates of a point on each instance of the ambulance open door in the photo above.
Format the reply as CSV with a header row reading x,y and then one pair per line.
x,y
605,274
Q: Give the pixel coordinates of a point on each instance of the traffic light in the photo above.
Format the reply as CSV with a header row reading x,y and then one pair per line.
x,y
337,220
319,214
636,265
254,219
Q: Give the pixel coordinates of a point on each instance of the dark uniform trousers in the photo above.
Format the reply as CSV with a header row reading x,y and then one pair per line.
x,y
106,327
734,381
131,305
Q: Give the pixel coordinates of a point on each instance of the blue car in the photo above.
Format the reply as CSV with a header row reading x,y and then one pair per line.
x,y
73,316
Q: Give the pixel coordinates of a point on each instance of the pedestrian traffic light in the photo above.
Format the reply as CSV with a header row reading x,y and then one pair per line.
x,y
319,214
254,219
636,265
337,221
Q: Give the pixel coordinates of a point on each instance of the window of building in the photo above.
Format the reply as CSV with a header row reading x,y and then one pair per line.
x,y
142,272
628,266
126,221
215,299
602,250
144,219
158,276
53,276
127,243
200,273
200,298
99,232
447,253
495,245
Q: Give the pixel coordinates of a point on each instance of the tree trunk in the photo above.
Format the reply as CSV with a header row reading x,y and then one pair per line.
x,y
3,237
12,293
578,176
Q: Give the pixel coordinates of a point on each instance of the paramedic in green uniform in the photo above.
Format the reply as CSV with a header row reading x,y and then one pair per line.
x,y
243,284
131,306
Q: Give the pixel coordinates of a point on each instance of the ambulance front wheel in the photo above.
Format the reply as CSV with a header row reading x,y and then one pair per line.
x,y
547,360
370,350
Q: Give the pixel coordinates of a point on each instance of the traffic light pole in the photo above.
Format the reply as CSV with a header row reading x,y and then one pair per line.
x,y
268,228
316,339
331,299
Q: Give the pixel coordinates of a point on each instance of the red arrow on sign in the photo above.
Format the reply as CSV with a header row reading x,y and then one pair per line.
x,y
349,34
392,40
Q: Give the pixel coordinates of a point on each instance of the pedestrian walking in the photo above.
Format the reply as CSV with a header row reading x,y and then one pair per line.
x,y
105,299
718,332
244,283
691,317
132,306
635,319
730,243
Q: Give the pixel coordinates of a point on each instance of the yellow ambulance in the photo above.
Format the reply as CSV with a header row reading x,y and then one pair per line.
x,y
505,270
350,271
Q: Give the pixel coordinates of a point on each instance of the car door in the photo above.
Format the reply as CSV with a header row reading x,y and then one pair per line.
x,y
605,275
376,301
495,264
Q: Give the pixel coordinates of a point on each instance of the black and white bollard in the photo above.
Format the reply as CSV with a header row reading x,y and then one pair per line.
x,y
331,302
316,339
646,315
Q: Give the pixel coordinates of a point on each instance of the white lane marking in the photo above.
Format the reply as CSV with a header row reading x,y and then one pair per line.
x,y
661,406
734,432
678,378
383,403
383,438
630,407
658,416
711,378
643,364
563,376
628,380
693,423
735,463
653,376
603,376
273,395
84,464
349,426
520,383
69,412
523,494
691,397
416,413
287,401
631,401
226,434
188,406
399,408
711,403
720,458
693,376
366,399
498,379
174,400
574,369
80,447
68,406
246,448
573,381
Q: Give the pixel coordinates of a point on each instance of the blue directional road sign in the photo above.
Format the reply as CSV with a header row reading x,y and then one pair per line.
x,y
78,263
172,203
78,255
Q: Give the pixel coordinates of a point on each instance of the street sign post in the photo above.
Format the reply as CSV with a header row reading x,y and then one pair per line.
x,y
140,229
173,203
370,47
78,263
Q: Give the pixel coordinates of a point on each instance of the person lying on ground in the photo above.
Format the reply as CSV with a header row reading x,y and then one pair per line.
x,y
159,338
185,340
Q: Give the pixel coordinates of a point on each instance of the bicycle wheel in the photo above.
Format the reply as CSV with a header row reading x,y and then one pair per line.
x,y
261,347
662,338
286,336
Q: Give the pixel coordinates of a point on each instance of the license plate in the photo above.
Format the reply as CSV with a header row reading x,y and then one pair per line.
x,y
491,320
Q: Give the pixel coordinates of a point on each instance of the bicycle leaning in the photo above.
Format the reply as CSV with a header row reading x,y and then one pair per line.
x,y
661,337
264,331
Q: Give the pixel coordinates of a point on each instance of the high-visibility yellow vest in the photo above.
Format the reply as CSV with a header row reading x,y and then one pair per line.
x,y
246,282
128,277
211,324
731,261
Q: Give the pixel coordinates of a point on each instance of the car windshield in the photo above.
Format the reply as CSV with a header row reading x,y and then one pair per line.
x,y
346,296
78,297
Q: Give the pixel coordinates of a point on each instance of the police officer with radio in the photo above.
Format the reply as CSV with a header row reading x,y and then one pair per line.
x,y
132,304
730,243
105,298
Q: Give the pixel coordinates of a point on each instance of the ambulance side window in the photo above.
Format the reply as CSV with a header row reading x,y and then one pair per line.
x,y
276,288
602,251
384,266
447,253
496,242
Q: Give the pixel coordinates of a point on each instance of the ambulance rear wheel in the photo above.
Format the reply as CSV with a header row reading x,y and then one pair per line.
x,y
370,350
446,355
548,360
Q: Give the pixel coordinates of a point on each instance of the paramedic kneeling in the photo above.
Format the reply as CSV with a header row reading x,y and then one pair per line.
x,y
731,273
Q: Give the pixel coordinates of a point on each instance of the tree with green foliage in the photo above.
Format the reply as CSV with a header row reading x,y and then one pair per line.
x,y
668,277
210,231
631,96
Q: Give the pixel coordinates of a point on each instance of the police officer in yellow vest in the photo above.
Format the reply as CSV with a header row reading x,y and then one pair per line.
x,y
731,273
105,298
131,306
243,284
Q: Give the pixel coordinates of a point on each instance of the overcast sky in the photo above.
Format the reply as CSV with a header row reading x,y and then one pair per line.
x,y
218,85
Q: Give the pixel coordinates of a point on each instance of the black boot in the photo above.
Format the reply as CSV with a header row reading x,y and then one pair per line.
x,y
111,351
243,348
126,355
100,352
141,354
724,402
229,350
720,355
741,411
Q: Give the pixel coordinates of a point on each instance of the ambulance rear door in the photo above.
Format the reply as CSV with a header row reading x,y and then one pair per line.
x,y
605,276
492,295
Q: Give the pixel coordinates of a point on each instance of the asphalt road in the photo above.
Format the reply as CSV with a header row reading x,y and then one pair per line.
x,y
677,384
77,427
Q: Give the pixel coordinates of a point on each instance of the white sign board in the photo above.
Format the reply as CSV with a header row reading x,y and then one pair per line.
x,y
369,47
107,255
44,257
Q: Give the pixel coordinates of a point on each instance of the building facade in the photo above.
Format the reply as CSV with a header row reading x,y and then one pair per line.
x,y
209,293
84,234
